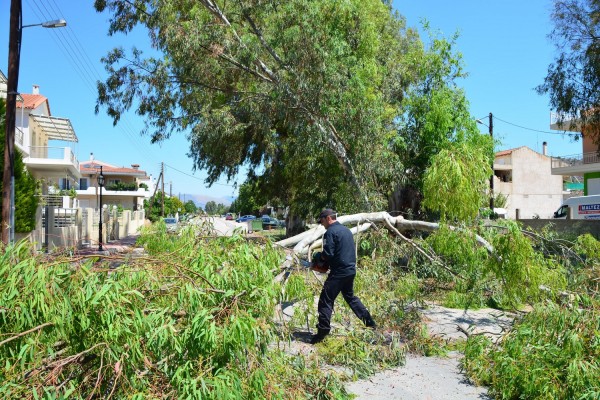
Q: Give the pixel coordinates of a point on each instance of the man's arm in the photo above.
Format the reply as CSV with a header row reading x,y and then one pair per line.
x,y
328,246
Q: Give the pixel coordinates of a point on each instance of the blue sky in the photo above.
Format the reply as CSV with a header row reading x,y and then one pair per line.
x,y
504,45
506,53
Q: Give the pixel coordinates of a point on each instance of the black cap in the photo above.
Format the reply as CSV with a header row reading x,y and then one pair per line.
x,y
326,212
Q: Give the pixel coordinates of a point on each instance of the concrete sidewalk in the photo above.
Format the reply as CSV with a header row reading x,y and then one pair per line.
x,y
124,245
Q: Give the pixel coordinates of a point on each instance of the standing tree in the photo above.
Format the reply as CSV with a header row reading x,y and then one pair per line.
x,y
247,201
305,94
190,207
435,127
211,207
154,206
574,77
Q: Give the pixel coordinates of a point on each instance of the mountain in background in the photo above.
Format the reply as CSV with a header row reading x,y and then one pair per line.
x,y
201,200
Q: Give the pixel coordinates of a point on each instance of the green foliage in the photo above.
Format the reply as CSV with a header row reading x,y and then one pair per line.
x,y
455,183
212,208
361,352
122,186
190,207
26,187
521,269
153,206
247,201
286,91
434,131
194,319
589,247
552,353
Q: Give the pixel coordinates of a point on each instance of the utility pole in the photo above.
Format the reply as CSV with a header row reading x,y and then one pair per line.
x,y
162,173
170,188
8,177
491,130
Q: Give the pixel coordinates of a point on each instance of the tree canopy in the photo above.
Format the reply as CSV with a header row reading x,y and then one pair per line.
x,y
324,103
269,85
574,76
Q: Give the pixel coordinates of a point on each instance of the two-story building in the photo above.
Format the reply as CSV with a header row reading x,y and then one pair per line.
x,y
524,177
44,142
586,164
126,187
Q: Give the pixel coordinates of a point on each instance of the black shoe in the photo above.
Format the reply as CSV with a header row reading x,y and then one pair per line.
x,y
319,336
369,323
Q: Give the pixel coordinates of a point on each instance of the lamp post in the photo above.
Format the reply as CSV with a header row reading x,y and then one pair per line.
x,y
101,185
14,56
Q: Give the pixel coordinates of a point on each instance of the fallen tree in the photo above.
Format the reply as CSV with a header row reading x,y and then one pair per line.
x,y
312,238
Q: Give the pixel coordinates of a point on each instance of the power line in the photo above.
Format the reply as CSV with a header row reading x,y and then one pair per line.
x,y
536,130
195,177
79,59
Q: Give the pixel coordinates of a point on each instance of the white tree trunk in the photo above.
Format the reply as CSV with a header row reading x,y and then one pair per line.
x,y
357,223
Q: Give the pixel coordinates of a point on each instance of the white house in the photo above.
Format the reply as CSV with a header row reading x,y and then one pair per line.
x,y
41,138
525,177
123,186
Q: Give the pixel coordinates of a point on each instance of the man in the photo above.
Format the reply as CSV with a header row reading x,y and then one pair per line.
x,y
339,253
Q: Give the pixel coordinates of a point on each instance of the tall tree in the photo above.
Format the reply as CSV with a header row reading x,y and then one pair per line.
x,y
190,207
436,121
247,201
304,93
574,77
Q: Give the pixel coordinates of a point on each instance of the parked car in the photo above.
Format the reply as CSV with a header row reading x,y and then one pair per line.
x,y
245,218
171,224
265,218
229,217
272,223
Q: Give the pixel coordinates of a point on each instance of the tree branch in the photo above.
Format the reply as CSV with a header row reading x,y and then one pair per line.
x,y
37,328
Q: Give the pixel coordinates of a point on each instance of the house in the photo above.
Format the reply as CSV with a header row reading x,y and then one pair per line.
x,y
524,177
124,187
586,164
41,138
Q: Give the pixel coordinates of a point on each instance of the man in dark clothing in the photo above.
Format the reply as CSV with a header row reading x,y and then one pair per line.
x,y
339,253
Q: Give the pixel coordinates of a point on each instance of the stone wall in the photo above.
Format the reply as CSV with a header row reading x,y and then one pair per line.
x,y
568,227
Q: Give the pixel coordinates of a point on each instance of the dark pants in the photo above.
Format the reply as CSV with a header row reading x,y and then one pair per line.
x,y
331,288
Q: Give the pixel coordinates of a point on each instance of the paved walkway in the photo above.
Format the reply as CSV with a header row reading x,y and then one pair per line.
x,y
112,247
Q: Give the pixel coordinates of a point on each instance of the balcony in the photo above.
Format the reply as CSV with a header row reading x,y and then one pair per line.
x,y
52,159
94,191
576,164
570,123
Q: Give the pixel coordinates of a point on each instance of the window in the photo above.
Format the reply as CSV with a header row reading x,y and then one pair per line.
x,y
65,184
83,184
562,212
504,175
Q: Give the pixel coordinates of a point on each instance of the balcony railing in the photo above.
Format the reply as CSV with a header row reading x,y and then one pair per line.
x,y
575,159
19,136
54,153
566,118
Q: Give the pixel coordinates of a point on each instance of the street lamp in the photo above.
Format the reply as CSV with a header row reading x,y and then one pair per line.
x,y
101,185
14,56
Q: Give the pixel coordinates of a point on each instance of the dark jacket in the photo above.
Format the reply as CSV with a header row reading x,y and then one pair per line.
x,y
339,251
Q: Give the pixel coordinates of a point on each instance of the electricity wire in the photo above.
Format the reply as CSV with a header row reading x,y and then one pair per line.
x,y
535,130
